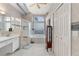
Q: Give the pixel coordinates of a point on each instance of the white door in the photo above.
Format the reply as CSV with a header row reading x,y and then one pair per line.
x,y
62,31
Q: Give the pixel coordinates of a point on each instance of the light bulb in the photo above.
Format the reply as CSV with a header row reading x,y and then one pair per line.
x,y
2,12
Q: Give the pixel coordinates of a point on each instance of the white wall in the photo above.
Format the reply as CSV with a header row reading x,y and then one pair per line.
x,y
28,17
75,12
50,14
75,34
62,30
75,43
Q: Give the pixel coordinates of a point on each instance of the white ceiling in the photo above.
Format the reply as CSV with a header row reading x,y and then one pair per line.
x,y
25,8
35,10
20,7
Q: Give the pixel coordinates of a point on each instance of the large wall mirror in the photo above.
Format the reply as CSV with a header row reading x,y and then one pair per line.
x,y
7,22
1,22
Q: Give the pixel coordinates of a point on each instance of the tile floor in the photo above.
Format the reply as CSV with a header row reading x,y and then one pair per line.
x,y
32,50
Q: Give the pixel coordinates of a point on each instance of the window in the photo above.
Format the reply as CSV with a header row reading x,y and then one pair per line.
x,y
38,25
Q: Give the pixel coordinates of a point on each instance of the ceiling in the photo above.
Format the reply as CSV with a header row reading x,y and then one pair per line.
x,y
21,7
33,8
38,8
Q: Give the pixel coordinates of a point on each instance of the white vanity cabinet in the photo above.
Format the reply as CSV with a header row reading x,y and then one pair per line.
x,y
9,44
15,43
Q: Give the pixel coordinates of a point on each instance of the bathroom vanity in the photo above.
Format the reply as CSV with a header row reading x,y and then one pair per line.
x,y
12,41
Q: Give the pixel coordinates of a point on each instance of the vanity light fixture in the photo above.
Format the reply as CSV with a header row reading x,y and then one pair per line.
x,y
2,12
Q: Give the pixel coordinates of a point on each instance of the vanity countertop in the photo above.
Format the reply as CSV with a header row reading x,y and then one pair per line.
x,y
3,38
